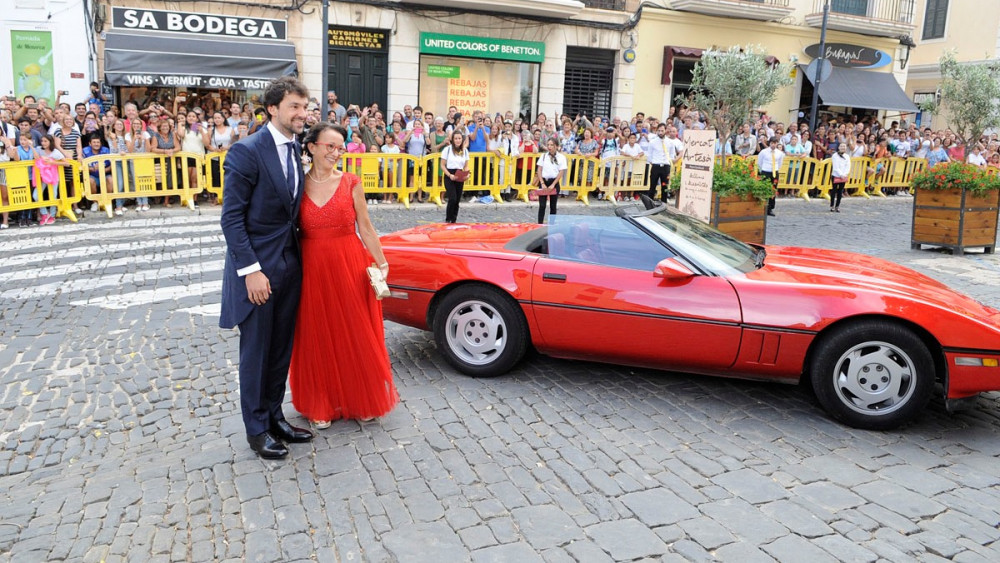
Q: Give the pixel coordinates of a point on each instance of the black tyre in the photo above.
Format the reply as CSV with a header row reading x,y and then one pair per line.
x,y
480,330
874,374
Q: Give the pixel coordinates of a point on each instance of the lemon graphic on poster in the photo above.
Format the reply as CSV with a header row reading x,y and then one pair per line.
x,y
32,82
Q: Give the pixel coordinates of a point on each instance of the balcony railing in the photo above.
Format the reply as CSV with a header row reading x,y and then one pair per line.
x,y
886,18
764,10
889,10
617,5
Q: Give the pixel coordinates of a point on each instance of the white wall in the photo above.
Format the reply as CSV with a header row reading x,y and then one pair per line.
x,y
65,19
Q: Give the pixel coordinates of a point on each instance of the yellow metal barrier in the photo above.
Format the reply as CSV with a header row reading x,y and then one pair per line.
x,y
487,172
799,175
625,174
522,174
857,180
214,173
26,191
897,172
578,169
401,175
109,177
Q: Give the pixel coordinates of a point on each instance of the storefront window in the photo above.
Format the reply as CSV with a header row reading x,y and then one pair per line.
x,y
477,84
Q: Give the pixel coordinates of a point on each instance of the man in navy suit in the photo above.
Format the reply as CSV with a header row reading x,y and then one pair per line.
x,y
263,275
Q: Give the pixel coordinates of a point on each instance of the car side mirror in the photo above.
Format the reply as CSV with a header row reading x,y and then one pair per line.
x,y
671,269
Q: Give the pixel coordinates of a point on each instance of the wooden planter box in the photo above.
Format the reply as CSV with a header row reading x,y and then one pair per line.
x,y
955,219
741,217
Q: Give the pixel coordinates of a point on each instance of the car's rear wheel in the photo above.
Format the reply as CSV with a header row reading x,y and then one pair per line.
x,y
481,330
873,374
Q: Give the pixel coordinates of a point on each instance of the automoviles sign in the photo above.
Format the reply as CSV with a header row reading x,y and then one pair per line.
x,y
851,56
482,47
198,23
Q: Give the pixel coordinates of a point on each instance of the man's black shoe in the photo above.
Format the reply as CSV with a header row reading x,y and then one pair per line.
x,y
771,213
267,446
289,433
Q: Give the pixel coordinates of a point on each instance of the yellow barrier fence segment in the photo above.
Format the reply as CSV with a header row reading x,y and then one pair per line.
x,y
215,172
399,175
796,176
625,174
27,191
857,180
109,177
578,169
486,173
914,166
522,175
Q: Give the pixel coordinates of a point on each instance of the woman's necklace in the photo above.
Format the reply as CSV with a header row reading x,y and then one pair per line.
x,y
312,175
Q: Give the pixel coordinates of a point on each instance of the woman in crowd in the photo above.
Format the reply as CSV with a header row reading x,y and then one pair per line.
x,y
415,143
390,146
937,154
118,145
840,173
340,366
551,170
163,142
189,137
68,142
137,141
588,147
397,125
529,145
217,139
455,162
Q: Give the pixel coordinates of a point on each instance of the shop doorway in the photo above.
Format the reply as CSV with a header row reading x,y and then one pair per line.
x,y
359,77
590,75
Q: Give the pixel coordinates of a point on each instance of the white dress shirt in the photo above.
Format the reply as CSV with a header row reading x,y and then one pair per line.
x,y
770,160
550,167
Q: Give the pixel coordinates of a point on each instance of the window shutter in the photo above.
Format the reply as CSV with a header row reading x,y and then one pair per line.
x,y
935,18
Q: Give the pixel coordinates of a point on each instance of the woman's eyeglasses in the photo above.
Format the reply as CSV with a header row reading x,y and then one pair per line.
x,y
332,147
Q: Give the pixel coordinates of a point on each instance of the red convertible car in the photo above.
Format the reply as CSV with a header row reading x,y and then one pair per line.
x,y
656,288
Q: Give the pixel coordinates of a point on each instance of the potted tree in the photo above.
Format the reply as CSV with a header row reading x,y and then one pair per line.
x,y
739,200
955,206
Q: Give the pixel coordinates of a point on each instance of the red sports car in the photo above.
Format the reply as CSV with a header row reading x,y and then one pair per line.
x,y
658,289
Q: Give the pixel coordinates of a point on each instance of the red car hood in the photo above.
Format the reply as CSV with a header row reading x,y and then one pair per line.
x,y
485,236
834,269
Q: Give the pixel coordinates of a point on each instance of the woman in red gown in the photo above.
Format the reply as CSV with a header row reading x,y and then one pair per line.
x,y
340,366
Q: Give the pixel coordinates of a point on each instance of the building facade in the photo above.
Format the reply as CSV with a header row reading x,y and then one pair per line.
x,y
970,30
46,48
863,45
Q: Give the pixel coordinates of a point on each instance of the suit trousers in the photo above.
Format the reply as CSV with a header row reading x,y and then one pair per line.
x,y
659,177
266,338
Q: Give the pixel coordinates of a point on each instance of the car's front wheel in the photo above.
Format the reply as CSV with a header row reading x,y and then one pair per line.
x,y
873,374
480,330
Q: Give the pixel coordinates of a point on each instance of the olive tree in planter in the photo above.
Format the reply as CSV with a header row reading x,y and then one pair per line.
x,y
739,200
969,94
955,206
727,86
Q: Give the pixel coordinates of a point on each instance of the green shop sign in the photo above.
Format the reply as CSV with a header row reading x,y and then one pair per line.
x,y
482,47
443,71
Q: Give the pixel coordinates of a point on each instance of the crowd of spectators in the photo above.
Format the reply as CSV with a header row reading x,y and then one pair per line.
x,y
51,134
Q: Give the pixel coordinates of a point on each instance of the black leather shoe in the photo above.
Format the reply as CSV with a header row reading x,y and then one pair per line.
x,y
771,213
289,433
267,446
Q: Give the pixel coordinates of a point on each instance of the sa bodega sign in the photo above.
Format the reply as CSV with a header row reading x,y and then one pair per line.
x,y
198,23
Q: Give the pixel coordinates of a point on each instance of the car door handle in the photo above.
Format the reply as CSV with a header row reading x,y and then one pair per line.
x,y
554,277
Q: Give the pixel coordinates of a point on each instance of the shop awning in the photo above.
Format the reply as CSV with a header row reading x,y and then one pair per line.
x,y
855,88
133,59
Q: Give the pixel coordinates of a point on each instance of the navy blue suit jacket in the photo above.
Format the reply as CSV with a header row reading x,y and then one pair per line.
x,y
259,218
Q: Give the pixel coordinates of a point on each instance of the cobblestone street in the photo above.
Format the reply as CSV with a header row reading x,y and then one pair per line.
x,y
122,438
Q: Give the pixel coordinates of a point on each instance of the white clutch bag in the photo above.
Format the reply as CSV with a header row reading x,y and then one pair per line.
x,y
378,281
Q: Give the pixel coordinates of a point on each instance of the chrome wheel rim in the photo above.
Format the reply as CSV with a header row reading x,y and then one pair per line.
x,y
874,378
476,332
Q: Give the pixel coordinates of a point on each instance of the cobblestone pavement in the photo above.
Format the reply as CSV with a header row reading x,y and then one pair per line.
x,y
122,438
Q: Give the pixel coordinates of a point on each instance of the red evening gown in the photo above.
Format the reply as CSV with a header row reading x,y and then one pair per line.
x,y
340,365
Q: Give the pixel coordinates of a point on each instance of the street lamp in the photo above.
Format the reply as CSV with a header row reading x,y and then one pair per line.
x,y
906,43
323,103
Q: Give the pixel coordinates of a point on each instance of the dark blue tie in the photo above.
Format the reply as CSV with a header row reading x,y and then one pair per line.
x,y
290,169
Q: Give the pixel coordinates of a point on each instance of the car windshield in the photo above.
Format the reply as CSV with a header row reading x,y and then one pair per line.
x,y
698,241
